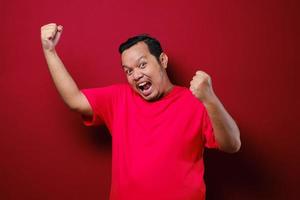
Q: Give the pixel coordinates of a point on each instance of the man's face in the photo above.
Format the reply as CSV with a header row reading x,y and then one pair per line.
x,y
144,72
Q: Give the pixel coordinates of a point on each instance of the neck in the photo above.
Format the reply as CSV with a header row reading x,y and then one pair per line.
x,y
168,86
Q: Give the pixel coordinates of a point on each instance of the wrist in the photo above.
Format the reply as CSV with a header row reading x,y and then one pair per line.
x,y
49,52
211,99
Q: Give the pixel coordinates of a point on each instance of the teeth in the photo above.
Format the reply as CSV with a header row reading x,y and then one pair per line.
x,y
142,84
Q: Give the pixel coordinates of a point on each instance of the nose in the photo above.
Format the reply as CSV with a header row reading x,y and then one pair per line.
x,y
137,75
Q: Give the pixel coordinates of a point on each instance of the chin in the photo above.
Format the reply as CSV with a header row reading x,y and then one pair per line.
x,y
151,97
147,98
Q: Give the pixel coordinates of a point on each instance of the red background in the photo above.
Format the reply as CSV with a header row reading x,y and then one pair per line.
x,y
248,47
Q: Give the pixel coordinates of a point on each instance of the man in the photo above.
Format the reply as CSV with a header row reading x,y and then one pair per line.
x,y
158,130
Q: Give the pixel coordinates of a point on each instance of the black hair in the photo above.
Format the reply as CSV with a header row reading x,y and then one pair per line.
x,y
152,43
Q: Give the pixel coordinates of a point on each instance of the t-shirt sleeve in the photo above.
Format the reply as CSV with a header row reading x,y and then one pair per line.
x,y
208,133
102,101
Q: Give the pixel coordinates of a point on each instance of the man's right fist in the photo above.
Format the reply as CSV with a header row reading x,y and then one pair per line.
x,y
50,34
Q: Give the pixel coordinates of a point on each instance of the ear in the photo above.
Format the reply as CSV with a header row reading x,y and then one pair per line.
x,y
163,58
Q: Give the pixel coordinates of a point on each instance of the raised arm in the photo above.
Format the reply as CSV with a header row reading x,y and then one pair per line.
x,y
226,131
64,83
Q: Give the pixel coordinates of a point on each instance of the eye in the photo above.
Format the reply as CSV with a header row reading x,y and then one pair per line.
x,y
143,65
128,71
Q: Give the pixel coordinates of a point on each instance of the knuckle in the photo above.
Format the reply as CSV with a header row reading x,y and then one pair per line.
x,y
52,24
48,25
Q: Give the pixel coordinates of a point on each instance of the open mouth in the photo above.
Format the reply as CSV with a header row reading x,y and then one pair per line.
x,y
145,88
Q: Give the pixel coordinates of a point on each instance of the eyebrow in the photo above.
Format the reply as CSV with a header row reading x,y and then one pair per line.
x,y
143,56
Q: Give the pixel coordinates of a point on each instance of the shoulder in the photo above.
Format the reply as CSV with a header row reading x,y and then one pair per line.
x,y
107,93
114,88
119,87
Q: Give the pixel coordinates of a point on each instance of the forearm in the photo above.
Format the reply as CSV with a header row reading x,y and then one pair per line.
x,y
63,81
226,131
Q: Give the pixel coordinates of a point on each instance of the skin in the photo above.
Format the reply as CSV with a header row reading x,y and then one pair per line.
x,y
140,66
64,83
226,131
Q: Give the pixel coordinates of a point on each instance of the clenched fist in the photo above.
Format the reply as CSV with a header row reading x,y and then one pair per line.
x,y
50,34
201,86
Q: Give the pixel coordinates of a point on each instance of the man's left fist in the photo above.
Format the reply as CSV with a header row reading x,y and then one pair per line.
x,y
201,86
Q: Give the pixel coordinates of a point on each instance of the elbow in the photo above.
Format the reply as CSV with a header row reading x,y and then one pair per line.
x,y
235,147
232,146
235,143
73,107
73,104
76,109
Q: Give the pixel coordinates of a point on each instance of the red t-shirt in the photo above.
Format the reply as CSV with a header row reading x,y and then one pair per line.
x,y
157,147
